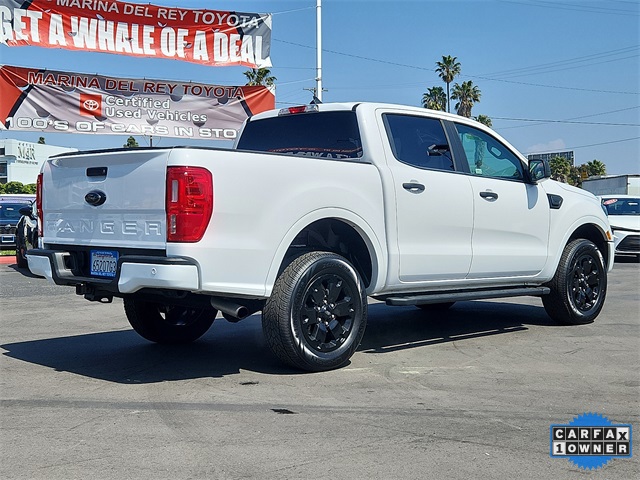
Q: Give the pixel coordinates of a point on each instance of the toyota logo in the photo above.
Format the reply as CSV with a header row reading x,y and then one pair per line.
x,y
91,105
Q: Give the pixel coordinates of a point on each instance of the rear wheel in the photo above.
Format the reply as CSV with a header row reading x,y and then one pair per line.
x,y
168,324
579,287
317,313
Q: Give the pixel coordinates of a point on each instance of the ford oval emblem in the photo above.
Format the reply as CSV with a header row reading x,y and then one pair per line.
x,y
95,198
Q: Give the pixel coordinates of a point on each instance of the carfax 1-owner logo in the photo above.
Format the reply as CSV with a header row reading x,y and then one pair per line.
x,y
590,441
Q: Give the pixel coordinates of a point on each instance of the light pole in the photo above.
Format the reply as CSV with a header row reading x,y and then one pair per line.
x,y
319,49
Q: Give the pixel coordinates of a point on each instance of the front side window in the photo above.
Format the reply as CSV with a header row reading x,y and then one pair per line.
x,y
487,156
419,141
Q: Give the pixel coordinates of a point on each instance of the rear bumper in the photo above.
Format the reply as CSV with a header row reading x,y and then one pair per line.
x,y
134,272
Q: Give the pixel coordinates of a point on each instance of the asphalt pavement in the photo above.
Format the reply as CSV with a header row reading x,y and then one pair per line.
x,y
469,393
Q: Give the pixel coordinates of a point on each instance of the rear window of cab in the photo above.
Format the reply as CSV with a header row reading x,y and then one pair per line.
x,y
330,135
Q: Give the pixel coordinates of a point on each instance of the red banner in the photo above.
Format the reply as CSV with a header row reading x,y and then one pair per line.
x,y
53,101
210,37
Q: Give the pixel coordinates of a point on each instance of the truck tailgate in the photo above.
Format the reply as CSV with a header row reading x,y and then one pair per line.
x,y
107,199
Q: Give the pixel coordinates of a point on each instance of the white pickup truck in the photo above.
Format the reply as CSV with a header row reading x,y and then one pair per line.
x,y
315,209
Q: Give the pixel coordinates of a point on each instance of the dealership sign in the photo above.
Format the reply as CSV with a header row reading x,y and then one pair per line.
x,y
53,101
209,37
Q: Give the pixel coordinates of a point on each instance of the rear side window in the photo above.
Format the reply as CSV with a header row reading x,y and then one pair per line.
x,y
419,141
323,135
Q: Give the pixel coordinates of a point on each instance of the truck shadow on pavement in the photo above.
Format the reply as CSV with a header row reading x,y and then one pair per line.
x,y
123,357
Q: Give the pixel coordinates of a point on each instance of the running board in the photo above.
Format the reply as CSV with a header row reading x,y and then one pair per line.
x,y
442,297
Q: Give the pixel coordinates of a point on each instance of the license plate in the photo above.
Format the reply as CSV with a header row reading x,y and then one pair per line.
x,y
104,263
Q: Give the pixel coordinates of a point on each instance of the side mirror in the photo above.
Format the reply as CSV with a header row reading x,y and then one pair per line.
x,y
26,211
539,169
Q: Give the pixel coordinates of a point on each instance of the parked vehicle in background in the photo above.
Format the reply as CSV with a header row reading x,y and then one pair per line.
x,y
628,184
624,217
316,208
10,215
26,234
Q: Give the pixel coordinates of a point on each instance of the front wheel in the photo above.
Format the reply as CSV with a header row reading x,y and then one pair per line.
x,y
579,287
317,313
168,324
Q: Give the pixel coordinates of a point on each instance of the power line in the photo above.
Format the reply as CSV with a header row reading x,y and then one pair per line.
x,y
544,122
594,144
568,121
562,63
481,77
575,8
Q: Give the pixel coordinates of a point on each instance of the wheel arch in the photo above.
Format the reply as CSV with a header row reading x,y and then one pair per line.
x,y
337,231
595,234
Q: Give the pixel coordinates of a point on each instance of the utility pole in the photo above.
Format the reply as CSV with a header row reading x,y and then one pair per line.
x,y
318,92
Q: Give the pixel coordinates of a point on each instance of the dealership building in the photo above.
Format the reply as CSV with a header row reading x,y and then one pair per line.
x,y
21,161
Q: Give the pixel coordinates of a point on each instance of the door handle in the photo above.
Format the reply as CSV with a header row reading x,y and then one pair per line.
x,y
413,187
489,195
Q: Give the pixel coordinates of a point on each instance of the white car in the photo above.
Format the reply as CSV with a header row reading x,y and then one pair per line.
x,y
624,217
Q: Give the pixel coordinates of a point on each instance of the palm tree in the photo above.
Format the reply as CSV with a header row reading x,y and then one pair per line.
x,y
467,94
131,143
435,99
447,69
259,76
560,169
484,119
595,168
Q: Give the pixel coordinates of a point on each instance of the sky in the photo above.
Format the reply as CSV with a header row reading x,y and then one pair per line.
x,y
553,75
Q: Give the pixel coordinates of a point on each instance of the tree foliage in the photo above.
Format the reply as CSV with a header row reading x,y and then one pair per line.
x,y
560,169
131,143
448,69
596,168
435,98
467,95
484,119
563,171
259,76
17,187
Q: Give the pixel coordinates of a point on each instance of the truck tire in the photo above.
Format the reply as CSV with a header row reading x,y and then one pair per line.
x,y
21,248
167,324
579,286
317,313
21,258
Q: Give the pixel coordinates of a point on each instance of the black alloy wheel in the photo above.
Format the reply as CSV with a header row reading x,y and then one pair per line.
x,y
317,312
579,286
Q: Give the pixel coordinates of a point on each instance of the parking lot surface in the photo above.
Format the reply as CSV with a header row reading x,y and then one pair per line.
x,y
469,393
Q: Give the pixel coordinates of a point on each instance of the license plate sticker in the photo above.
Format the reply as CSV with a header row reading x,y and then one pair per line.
x,y
104,263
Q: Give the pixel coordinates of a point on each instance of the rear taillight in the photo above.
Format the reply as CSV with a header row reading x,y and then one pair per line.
x,y
189,203
39,204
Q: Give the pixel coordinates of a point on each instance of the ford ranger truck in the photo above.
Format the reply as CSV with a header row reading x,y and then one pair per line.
x,y
315,209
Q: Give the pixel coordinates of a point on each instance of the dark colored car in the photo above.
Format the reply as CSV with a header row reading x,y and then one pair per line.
x,y
26,234
9,217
